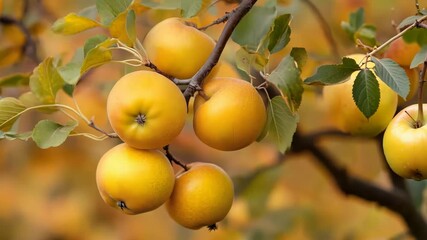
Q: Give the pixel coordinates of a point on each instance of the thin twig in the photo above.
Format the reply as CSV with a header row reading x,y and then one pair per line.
x,y
325,27
220,20
172,158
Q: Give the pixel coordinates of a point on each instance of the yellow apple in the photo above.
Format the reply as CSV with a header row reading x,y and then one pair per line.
x,y
202,196
146,109
177,48
405,144
134,180
347,117
230,115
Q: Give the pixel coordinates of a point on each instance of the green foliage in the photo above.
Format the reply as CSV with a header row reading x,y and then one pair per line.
x,y
189,8
45,81
417,35
333,74
246,61
287,77
366,92
300,56
48,134
15,80
10,110
420,57
98,55
108,10
392,75
358,30
280,34
281,123
162,4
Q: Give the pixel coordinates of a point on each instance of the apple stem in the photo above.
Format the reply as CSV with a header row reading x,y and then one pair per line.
x,y
420,118
212,227
172,158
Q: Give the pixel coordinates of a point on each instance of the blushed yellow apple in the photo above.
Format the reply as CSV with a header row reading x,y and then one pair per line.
x,y
146,109
202,196
177,48
404,144
230,115
347,117
134,180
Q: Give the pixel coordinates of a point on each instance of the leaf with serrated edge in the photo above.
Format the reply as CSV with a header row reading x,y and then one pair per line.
x,y
10,109
420,57
282,124
287,77
280,36
108,10
333,74
366,92
72,24
48,134
46,81
393,75
189,8
98,55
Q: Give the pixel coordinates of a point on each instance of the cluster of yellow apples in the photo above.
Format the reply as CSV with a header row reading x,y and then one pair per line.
x,y
147,111
404,140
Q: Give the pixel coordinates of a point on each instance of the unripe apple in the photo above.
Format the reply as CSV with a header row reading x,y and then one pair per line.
x,y
405,144
177,48
347,117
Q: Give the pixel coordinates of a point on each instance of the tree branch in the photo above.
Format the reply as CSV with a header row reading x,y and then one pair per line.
x,y
29,48
231,24
396,199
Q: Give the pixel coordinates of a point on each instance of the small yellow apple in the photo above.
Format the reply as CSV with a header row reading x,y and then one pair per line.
x,y
177,48
146,109
134,180
405,144
347,117
230,115
202,196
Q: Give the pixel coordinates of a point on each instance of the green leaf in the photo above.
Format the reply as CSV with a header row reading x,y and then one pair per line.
x,y
287,77
281,122
420,57
408,21
15,136
356,20
70,72
280,35
189,8
367,34
258,188
393,75
98,55
250,37
48,134
333,74
10,109
246,60
108,10
418,35
92,43
300,56
366,92
131,26
15,80
46,81
162,4
72,24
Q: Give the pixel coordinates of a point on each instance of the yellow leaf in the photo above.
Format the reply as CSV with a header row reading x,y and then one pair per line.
x,y
72,24
118,29
137,7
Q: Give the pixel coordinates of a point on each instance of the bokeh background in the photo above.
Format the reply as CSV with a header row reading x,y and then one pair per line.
x,y
51,194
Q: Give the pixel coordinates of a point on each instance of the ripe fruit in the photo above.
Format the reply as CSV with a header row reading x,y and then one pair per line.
x,y
134,180
345,114
232,116
405,145
202,196
414,83
402,52
177,48
146,109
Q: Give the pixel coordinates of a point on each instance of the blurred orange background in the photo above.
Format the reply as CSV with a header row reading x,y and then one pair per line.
x,y
52,194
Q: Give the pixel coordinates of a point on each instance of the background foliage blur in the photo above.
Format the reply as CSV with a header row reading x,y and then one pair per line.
x,y
51,194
